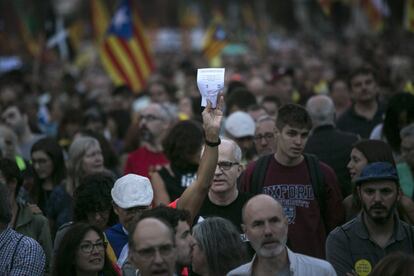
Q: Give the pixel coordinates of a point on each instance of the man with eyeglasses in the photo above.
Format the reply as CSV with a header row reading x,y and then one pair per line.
x,y
179,221
154,122
264,137
131,195
152,247
223,198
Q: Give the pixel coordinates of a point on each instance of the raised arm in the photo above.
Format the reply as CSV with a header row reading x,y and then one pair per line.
x,y
194,195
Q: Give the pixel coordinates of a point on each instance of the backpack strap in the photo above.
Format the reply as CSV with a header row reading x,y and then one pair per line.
x,y
259,174
318,181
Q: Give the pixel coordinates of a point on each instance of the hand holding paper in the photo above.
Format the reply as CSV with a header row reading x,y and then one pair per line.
x,y
210,82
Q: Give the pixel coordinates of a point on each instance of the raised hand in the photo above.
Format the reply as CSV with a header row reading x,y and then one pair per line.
x,y
212,118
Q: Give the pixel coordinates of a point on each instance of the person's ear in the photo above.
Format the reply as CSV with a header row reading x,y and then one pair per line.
x,y
243,227
240,169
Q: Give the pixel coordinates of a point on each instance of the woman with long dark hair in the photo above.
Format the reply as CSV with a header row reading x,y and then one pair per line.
x,y
399,113
49,170
82,252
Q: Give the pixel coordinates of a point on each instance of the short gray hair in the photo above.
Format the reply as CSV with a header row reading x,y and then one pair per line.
x,y
237,153
265,118
407,131
321,109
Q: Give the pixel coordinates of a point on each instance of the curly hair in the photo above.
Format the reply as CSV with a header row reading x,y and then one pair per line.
x,y
93,195
182,142
64,260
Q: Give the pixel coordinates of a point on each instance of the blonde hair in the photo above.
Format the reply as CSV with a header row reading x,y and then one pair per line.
x,y
77,151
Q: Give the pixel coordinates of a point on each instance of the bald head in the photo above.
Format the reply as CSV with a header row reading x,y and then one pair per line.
x,y
265,226
146,228
321,109
152,247
259,202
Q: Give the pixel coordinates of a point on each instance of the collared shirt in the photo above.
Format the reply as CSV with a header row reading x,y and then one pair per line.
x,y
349,247
20,255
298,265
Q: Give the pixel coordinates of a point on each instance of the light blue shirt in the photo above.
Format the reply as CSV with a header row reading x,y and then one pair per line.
x,y
298,265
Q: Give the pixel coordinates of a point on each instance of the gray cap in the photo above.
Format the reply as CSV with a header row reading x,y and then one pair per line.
x,y
132,190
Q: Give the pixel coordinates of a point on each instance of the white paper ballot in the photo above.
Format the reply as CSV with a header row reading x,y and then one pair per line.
x,y
210,82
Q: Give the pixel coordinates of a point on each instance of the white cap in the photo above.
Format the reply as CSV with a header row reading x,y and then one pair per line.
x,y
240,124
132,190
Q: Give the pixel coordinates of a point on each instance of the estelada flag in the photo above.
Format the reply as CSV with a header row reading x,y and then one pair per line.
x,y
215,39
124,51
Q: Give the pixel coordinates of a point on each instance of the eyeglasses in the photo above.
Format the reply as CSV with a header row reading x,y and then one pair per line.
x,y
88,247
266,136
149,118
226,165
149,253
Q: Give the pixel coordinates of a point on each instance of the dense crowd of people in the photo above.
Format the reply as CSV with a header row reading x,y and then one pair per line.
x,y
304,167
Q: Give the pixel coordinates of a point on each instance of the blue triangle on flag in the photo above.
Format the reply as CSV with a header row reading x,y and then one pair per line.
x,y
121,23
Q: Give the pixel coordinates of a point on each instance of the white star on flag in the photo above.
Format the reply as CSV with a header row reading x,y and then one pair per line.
x,y
120,18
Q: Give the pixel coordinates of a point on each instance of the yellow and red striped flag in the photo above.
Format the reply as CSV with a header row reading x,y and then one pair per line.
x,y
409,15
100,19
124,51
215,39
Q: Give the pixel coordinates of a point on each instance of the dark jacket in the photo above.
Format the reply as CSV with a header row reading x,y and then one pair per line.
x,y
333,147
